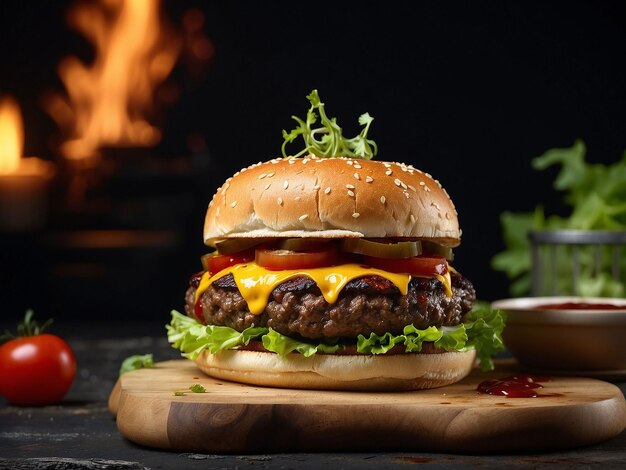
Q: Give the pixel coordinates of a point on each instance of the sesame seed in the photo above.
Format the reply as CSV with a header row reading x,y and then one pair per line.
x,y
357,166
387,165
406,194
285,184
280,201
448,215
422,183
349,186
426,188
233,204
349,162
267,186
435,205
369,179
316,187
356,175
298,198
350,193
262,175
292,161
382,199
356,215
327,190
269,175
303,217
412,219
388,172
397,182
412,188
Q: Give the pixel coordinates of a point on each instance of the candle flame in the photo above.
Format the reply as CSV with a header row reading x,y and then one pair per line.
x,y
11,135
108,101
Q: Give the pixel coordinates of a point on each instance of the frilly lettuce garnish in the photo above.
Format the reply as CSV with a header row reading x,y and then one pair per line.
x,y
327,140
482,330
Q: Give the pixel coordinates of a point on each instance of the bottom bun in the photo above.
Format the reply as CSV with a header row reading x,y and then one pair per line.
x,y
391,372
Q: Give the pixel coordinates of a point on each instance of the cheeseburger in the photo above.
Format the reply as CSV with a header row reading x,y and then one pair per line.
x,y
333,273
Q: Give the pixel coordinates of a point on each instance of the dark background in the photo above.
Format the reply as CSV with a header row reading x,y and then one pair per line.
x,y
467,91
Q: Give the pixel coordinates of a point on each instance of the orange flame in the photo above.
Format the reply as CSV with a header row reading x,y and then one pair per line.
x,y
108,101
11,135
14,168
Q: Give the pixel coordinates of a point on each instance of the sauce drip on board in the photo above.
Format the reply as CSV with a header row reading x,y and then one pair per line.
x,y
516,386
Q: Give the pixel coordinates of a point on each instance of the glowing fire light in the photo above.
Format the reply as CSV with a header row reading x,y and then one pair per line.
x,y
12,146
23,181
11,135
109,101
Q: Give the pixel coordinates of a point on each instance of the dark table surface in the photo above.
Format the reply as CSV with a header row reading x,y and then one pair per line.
x,y
80,433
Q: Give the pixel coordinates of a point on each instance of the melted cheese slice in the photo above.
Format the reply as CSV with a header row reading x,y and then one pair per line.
x,y
257,283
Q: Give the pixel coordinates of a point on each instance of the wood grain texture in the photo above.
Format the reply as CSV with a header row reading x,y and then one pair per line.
x,y
233,417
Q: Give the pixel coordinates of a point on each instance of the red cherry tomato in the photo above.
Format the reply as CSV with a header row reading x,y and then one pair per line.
x,y
36,370
418,265
218,262
277,260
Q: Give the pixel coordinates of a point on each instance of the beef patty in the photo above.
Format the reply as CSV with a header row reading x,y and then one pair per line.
x,y
370,304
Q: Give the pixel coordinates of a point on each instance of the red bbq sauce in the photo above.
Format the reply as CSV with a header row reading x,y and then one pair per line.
x,y
198,311
515,386
194,281
580,306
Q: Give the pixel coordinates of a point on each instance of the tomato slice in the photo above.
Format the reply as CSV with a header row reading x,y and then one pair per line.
x,y
218,262
277,260
418,265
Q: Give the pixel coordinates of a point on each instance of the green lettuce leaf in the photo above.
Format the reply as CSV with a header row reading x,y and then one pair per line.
x,y
283,345
138,361
482,331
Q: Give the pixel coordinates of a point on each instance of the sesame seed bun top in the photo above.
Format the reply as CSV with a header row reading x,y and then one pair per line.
x,y
331,198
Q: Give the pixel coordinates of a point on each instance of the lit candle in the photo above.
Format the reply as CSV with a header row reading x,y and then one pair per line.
x,y
23,181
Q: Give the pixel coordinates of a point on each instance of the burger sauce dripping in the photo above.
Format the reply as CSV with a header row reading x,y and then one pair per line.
x,y
194,281
516,386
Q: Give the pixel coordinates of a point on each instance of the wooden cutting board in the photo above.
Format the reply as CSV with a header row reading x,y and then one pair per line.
x,y
240,418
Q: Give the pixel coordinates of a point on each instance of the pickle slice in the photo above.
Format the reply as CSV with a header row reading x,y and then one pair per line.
x,y
382,250
304,244
204,259
432,248
235,245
